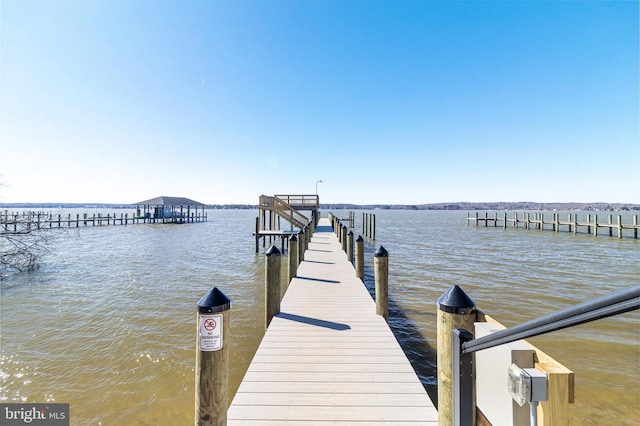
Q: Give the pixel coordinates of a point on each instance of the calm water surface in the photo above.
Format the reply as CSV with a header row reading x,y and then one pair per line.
x,y
108,323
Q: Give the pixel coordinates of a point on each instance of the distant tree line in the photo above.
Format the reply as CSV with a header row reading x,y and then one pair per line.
x,y
489,206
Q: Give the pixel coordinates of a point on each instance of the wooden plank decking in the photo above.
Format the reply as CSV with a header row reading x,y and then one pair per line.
x,y
327,358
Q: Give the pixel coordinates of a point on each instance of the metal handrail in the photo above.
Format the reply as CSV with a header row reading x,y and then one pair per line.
x,y
608,305
464,345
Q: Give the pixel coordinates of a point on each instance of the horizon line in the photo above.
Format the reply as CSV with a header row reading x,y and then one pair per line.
x,y
441,203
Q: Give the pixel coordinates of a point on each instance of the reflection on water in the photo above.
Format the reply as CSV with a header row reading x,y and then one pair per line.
x,y
108,324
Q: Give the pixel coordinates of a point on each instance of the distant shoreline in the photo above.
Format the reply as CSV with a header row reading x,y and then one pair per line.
x,y
523,205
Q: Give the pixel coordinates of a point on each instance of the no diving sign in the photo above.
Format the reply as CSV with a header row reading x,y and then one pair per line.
x,y
210,332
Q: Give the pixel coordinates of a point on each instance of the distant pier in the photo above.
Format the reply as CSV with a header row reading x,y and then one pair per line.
x,y
161,209
536,221
29,220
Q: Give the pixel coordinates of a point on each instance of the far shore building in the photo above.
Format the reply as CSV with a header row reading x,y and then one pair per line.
x,y
171,210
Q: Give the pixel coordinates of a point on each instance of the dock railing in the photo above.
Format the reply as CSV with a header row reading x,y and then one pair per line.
x,y
463,344
301,202
287,206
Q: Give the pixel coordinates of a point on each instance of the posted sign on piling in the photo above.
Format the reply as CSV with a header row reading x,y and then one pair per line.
x,y
210,332
212,356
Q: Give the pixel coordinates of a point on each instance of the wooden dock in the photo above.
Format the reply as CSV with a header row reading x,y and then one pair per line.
x,y
20,221
327,358
572,224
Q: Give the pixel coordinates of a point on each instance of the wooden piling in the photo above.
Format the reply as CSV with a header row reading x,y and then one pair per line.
x,y
212,359
344,238
620,226
360,257
350,246
257,234
301,239
272,284
364,224
293,257
373,237
381,272
455,310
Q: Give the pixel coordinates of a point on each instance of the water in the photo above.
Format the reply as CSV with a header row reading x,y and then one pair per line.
x,y
108,323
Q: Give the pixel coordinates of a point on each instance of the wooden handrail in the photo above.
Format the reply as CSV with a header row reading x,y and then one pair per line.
x,y
287,212
287,206
301,202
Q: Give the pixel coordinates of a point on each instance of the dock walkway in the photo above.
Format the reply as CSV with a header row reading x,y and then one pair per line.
x,y
327,358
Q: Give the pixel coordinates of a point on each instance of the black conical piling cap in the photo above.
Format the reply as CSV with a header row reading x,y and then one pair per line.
x,y
381,252
214,301
273,251
293,238
359,239
456,301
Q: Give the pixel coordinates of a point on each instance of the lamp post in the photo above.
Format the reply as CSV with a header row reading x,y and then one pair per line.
x,y
317,203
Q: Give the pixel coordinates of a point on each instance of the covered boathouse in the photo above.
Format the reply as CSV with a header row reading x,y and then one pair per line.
x,y
171,210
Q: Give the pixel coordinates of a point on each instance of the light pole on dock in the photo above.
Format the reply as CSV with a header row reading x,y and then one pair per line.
x,y
317,182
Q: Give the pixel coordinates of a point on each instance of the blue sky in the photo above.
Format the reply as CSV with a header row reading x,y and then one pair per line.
x,y
404,102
